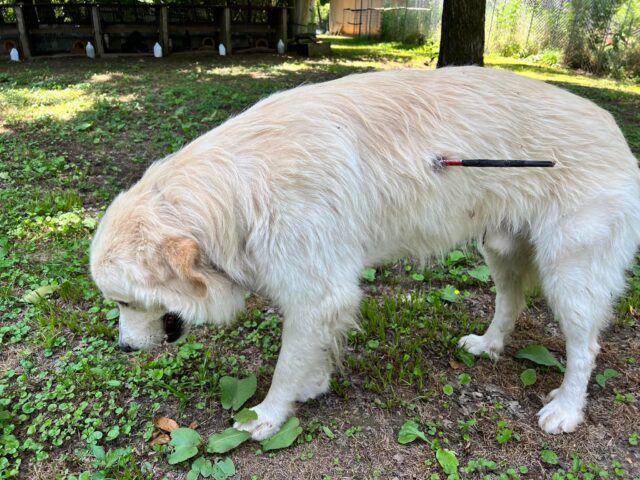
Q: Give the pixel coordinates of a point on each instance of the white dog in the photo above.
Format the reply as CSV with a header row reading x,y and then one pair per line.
x,y
294,197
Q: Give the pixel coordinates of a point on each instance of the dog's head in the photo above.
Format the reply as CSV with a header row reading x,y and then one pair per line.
x,y
161,280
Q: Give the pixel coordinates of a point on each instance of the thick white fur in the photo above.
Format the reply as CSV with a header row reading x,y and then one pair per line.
x,y
295,196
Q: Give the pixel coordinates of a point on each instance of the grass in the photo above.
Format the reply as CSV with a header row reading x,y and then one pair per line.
x,y
73,133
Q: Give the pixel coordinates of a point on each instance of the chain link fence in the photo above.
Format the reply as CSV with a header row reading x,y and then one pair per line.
x,y
596,35
601,36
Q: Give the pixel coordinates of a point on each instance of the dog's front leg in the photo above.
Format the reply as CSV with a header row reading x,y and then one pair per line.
x,y
302,372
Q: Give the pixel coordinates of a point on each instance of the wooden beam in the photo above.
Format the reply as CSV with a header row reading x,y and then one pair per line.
x,y
164,30
97,30
282,27
226,29
22,32
301,16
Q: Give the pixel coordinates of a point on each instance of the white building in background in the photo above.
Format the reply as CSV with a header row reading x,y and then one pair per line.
x,y
355,17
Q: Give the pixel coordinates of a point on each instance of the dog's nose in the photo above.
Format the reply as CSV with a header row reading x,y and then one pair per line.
x,y
173,326
125,347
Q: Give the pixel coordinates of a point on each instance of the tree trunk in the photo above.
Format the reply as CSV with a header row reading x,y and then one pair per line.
x,y
302,10
462,37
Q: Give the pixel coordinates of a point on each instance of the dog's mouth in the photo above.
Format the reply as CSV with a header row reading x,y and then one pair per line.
x,y
173,326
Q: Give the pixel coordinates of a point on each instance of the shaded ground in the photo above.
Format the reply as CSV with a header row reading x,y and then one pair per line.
x,y
73,133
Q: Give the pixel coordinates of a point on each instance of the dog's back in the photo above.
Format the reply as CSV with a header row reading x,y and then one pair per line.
x,y
377,138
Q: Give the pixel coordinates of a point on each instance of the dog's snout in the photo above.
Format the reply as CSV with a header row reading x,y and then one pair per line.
x,y
125,347
173,326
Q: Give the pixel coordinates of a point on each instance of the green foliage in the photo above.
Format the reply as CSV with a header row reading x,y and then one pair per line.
x,y
409,432
528,377
227,440
504,433
235,392
245,415
285,437
369,274
608,374
550,457
540,355
220,470
448,461
185,442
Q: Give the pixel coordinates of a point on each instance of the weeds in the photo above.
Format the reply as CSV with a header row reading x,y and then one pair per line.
x,y
73,406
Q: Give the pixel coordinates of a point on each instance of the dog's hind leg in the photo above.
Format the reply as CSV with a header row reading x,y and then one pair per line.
x,y
311,336
582,268
509,259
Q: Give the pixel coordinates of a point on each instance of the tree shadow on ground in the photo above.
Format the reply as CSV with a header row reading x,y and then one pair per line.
x,y
129,113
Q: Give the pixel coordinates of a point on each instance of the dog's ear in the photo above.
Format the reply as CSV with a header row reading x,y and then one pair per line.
x,y
183,255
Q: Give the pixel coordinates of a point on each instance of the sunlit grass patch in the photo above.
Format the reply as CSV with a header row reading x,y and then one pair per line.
x,y
36,103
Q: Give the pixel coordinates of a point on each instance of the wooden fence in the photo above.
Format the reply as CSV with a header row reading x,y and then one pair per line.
x,y
64,29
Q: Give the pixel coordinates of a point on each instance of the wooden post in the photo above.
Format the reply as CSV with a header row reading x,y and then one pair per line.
x,y
164,30
97,30
22,32
282,27
301,14
226,29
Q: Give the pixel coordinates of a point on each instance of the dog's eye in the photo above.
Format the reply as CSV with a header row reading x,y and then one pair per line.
x,y
123,304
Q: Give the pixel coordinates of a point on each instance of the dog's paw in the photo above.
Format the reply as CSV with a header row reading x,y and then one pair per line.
x,y
480,344
559,416
267,424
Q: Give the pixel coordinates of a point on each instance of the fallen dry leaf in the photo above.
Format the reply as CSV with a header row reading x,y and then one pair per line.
x,y
166,424
455,364
194,425
159,439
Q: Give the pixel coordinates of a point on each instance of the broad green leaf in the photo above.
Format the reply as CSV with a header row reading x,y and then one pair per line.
x,y
113,313
455,256
609,373
236,392
369,274
464,379
327,431
180,454
409,431
185,437
285,437
193,474
528,377
418,277
540,355
447,460
448,389
227,440
35,296
202,467
98,452
199,463
84,126
465,357
450,293
550,457
227,467
245,416
113,433
480,273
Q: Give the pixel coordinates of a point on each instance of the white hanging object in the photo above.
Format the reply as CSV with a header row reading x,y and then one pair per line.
x,y
157,50
14,56
280,47
221,50
91,52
